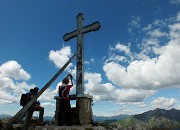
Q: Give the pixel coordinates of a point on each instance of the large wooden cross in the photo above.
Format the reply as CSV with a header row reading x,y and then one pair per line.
x,y
79,33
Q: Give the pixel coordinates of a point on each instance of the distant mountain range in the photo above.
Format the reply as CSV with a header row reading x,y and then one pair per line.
x,y
95,118
106,119
158,119
6,116
2,116
172,114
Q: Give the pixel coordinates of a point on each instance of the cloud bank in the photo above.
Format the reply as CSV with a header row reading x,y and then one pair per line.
x,y
13,82
154,67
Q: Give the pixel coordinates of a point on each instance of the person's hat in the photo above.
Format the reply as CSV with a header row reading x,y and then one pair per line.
x,y
36,88
31,90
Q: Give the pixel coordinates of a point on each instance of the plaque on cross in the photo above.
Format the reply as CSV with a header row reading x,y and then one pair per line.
x,y
79,33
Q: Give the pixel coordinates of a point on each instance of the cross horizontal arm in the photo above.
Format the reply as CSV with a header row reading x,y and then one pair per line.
x,y
89,28
92,27
70,35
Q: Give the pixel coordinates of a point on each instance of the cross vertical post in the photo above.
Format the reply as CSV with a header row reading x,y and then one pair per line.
x,y
79,33
80,57
84,101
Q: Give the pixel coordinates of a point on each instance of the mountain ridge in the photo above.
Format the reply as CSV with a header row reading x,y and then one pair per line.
x,y
116,117
153,119
172,114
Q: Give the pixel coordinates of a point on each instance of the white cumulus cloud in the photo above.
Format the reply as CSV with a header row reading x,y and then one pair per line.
x,y
14,70
158,70
13,82
60,57
165,103
108,92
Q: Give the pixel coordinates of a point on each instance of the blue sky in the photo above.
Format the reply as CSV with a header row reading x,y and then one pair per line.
x,y
131,63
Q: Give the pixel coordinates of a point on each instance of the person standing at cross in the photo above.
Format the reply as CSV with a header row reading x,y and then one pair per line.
x,y
64,115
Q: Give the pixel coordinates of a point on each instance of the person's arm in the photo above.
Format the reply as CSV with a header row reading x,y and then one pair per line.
x,y
71,79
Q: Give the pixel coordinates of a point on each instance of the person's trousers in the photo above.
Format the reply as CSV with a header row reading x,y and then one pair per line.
x,y
29,114
64,115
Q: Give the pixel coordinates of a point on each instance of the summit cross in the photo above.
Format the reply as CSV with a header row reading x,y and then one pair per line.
x,y
79,33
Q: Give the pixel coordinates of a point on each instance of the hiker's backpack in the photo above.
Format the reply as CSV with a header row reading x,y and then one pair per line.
x,y
63,91
23,100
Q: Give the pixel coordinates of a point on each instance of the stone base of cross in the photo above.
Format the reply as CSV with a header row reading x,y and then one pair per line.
x,y
82,113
